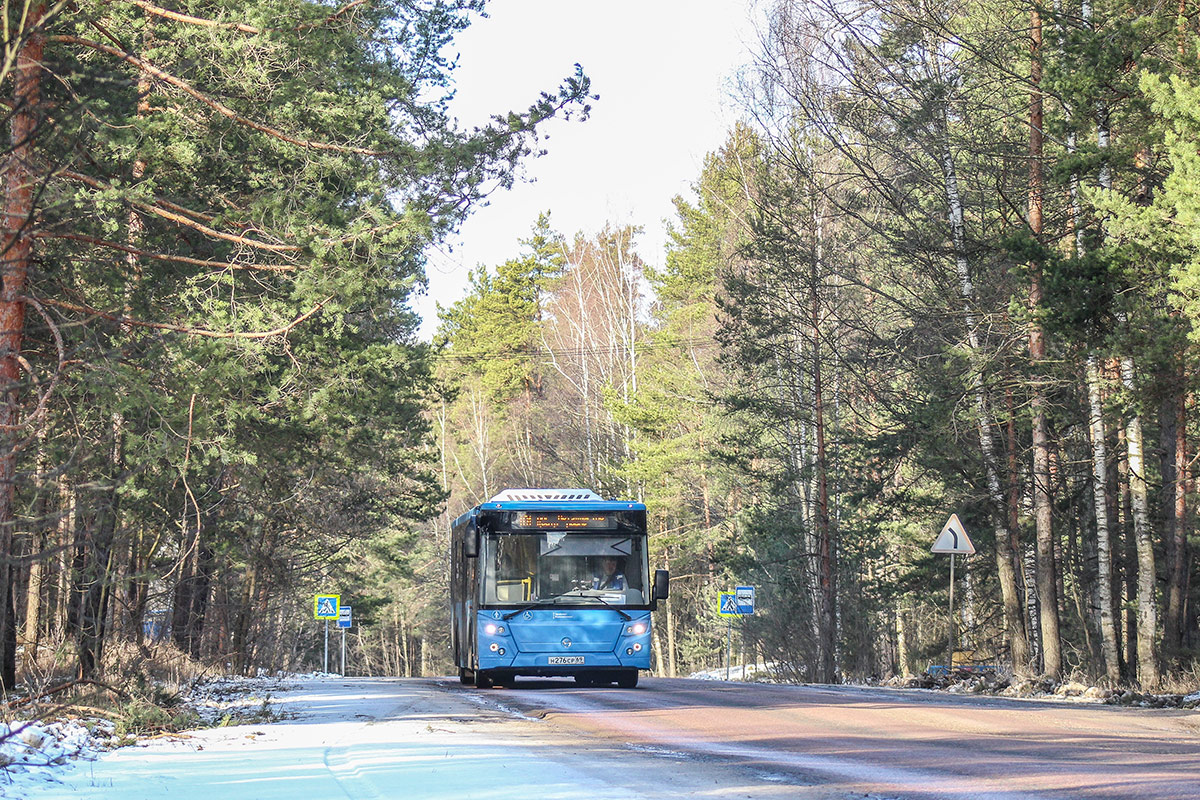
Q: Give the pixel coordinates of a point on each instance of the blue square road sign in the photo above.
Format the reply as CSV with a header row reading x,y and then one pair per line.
x,y
325,606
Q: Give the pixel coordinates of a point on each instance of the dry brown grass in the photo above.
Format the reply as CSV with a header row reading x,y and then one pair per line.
x,y
138,689
138,693
1185,680
124,663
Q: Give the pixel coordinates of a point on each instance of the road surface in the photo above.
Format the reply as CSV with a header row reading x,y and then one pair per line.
x,y
376,739
894,743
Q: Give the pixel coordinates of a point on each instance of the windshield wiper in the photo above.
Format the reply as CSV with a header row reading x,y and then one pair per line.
x,y
624,616
543,602
550,601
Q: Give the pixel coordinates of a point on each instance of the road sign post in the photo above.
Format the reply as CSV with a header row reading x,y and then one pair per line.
x,y
344,622
325,606
953,540
738,603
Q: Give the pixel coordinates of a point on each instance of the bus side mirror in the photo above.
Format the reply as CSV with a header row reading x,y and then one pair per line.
x,y
662,585
471,543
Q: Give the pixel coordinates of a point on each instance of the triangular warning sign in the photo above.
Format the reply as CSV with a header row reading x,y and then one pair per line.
x,y
953,538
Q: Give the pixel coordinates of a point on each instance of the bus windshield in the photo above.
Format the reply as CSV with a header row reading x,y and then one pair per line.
x,y
567,567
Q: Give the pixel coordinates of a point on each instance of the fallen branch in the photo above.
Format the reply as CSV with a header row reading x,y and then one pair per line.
x,y
62,687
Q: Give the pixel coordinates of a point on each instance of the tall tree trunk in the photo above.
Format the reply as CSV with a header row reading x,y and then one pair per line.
x,y
65,541
181,596
1147,605
32,627
903,649
137,585
240,627
19,179
1177,546
1104,560
1042,490
826,544
33,596
1014,500
92,581
1129,568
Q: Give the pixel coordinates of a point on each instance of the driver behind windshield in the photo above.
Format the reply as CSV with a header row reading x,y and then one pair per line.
x,y
609,575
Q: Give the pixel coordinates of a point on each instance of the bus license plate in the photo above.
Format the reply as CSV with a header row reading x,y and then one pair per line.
x,y
566,659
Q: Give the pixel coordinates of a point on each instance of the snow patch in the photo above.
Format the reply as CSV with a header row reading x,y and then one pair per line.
x,y
36,752
33,752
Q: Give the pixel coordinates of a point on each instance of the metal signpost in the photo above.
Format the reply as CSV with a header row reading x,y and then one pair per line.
x,y
325,606
953,540
344,622
738,603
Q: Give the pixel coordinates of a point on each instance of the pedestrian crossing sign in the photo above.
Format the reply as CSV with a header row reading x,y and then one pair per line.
x,y
738,603
728,605
325,606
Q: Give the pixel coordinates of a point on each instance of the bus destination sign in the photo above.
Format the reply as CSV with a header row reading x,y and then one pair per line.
x,y
563,521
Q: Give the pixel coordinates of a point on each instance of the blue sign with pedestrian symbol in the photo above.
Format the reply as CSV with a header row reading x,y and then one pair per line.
x,y
325,606
738,603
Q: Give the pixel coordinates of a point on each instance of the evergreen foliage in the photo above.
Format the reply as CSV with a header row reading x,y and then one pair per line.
x,y
948,263
221,399
898,292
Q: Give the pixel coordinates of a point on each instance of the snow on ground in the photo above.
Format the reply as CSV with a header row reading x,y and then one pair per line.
x,y
747,673
35,752
376,739
319,736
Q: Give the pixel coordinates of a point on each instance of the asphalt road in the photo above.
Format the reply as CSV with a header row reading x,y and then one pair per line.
x,y
434,739
884,743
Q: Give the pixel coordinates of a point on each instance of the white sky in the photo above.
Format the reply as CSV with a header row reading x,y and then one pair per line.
x,y
663,70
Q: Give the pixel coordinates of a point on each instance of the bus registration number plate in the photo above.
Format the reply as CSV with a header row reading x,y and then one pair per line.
x,y
566,659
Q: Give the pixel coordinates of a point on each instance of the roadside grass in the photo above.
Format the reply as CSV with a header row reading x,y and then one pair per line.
x,y
146,692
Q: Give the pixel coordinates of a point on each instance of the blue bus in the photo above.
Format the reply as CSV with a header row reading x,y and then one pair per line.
x,y
552,582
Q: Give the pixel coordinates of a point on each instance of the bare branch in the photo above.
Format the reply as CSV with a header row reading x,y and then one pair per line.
x,y
164,326
176,16
219,107
198,262
182,220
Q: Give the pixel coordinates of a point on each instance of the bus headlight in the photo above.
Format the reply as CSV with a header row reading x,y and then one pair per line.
x,y
490,629
494,647
636,629
637,647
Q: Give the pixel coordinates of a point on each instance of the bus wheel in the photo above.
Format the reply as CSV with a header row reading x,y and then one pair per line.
x,y
466,677
483,680
627,679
